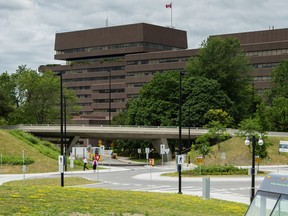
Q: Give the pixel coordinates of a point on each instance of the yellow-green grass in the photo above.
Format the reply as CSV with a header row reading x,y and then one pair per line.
x,y
10,145
19,199
238,154
68,181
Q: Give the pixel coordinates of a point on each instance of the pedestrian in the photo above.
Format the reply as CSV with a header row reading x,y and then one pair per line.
x,y
85,164
95,163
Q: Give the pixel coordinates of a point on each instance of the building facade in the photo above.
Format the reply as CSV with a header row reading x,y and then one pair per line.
x,y
108,66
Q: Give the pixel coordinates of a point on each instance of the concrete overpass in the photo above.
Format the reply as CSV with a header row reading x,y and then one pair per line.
x,y
113,132
158,135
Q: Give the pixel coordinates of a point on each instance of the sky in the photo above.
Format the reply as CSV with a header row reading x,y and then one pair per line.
x,y
28,27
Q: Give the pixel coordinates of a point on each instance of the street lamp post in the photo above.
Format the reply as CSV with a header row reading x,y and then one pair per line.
x,y
61,127
109,97
65,133
247,142
180,133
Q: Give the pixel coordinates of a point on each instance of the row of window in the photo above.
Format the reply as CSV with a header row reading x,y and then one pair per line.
x,y
158,61
267,52
90,70
93,78
117,46
140,84
117,100
108,90
265,65
84,104
79,88
107,110
84,96
93,60
144,73
132,95
262,78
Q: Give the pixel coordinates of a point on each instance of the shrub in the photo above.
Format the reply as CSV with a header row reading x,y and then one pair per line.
x,y
216,170
16,160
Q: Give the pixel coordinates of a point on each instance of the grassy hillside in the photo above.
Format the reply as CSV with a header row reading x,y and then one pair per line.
x,y
237,153
12,147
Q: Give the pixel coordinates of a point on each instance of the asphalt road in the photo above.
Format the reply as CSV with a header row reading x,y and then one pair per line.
x,y
146,178
149,179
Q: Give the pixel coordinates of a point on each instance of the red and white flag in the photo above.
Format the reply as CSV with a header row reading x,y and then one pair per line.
x,y
169,5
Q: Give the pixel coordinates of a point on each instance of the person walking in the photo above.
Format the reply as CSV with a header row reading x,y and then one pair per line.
x,y
95,163
85,164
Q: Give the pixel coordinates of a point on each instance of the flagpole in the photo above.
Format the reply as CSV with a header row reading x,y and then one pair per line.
x,y
171,15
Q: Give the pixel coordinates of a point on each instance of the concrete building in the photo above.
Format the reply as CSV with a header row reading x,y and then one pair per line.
x,y
108,66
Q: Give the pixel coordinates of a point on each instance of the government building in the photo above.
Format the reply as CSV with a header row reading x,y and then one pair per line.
x,y
108,66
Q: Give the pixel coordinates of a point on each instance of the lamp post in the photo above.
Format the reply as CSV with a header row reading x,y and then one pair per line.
x,y
247,142
61,127
109,96
180,133
65,133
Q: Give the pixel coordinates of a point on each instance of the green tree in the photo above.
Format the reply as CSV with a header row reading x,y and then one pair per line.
x,y
218,115
278,114
224,61
36,97
157,103
201,95
280,80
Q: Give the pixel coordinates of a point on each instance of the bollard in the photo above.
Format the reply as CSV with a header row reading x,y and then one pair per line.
x,y
206,188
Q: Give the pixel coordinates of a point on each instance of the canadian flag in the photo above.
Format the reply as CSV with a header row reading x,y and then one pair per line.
x,y
169,5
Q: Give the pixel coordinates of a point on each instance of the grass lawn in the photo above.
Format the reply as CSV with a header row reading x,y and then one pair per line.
x,y
39,197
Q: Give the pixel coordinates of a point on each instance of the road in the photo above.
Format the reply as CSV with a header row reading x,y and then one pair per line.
x,y
149,179
146,178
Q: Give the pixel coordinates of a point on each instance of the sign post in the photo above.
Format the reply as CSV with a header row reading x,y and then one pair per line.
x,y
162,152
147,150
139,152
61,163
200,161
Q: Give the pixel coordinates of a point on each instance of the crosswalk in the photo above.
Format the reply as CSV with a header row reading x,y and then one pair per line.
x,y
189,190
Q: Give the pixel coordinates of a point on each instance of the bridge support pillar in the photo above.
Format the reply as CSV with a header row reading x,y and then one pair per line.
x,y
163,141
71,143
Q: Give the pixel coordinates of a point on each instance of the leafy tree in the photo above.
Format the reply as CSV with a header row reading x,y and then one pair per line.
x,y
201,95
157,103
224,61
35,96
5,107
263,117
278,114
280,80
218,115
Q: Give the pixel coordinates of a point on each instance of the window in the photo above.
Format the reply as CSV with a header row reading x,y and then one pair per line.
x,y
282,206
263,204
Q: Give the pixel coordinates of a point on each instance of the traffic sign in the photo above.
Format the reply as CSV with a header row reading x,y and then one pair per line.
x,y
162,149
147,150
97,157
200,160
180,159
61,163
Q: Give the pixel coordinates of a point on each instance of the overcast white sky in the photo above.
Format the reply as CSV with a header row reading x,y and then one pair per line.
x,y
28,27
